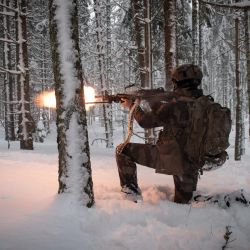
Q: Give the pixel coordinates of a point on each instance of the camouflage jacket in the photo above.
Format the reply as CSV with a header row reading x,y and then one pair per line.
x,y
173,117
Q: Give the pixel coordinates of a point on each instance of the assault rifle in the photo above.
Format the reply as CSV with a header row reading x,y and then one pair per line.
x,y
150,95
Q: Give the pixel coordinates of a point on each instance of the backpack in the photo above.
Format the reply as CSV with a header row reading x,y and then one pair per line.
x,y
207,132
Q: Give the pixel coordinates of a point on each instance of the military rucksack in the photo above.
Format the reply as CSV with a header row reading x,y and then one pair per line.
x,y
207,134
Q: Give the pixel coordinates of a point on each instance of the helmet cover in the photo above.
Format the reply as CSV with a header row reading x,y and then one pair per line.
x,y
187,72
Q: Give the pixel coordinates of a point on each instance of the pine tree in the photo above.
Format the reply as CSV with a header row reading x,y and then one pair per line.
x,y
104,81
8,77
139,30
40,60
26,122
195,31
72,135
238,134
247,49
170,49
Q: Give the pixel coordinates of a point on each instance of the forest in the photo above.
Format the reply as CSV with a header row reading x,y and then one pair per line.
x,y
109,45
63,66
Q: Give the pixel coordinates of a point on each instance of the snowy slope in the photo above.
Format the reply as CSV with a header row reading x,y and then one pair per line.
x,y
34,217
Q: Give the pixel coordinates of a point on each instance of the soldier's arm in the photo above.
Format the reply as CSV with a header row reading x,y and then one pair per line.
x,y
157,117
151,119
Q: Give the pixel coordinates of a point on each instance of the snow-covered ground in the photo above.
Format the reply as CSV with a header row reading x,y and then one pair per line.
x,y
34,217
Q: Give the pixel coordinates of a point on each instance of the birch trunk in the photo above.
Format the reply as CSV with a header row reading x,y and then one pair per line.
x,y
75,175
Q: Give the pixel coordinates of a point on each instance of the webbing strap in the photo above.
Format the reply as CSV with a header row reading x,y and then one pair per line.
x,y
121,146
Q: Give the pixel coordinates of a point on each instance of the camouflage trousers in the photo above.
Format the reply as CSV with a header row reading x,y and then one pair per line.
x,y
145,154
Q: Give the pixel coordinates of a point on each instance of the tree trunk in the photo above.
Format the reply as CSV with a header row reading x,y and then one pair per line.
x,y
170,50
149,133
177,34
139,29
26,122
247,48
110,143
142,29
238,135
195,31
107,112
200,42
108,31
8,81
225,79
148,45
72,136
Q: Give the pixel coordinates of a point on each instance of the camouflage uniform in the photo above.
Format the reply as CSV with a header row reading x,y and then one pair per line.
x,y
166,156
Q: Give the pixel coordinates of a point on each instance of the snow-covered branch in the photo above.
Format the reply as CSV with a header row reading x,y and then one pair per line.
x,y
8,7
7,40
239,6
7,13
8,34
14,72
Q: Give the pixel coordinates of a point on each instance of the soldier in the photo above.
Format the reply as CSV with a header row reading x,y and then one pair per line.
x,y
167,156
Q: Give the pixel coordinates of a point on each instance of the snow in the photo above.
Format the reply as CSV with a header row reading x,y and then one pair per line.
x,y
66,47
76,175
40,125
34,217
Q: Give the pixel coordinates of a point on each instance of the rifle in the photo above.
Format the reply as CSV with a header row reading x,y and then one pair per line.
x,y
151,95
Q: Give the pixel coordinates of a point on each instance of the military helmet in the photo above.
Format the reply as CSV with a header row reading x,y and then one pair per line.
x,y
187,73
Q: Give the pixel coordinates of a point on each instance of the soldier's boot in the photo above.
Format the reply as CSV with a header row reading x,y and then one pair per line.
x,y
184,187
131,193
182,197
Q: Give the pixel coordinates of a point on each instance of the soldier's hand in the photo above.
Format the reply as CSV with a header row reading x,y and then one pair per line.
x,y
126,103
